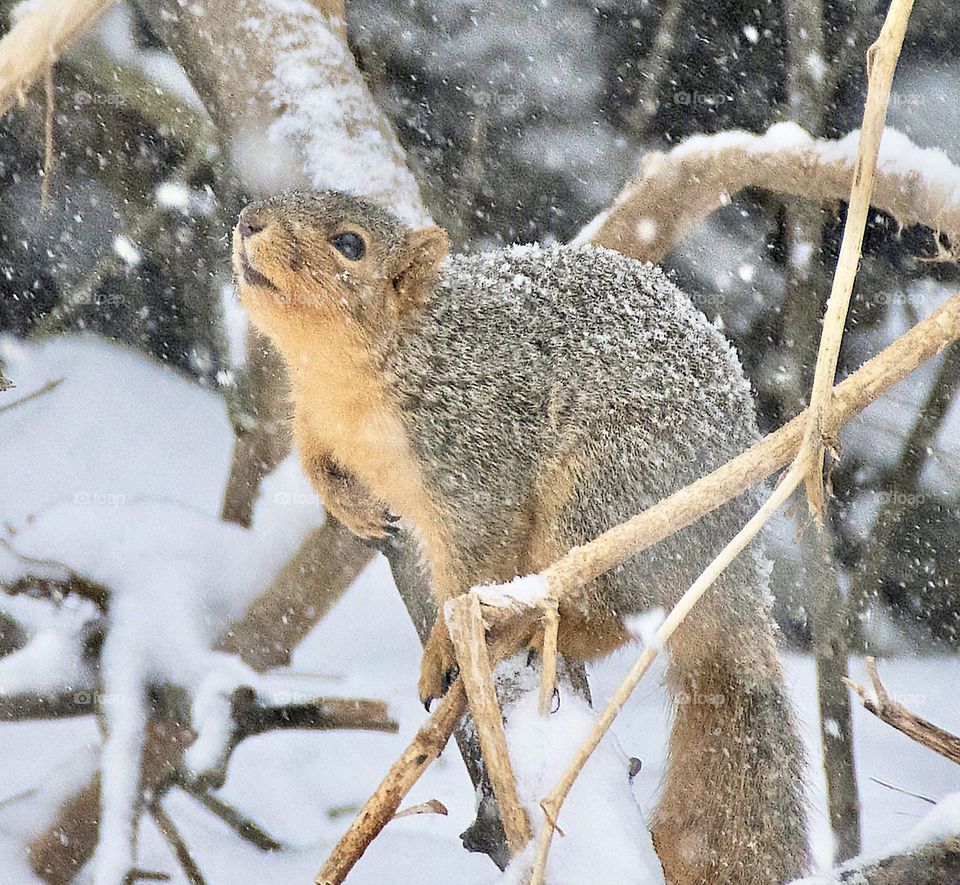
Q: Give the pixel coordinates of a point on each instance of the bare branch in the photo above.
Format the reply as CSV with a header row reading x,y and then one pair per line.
x,y
180,850
38,39
23,707
465,623
877,701
46,388
245,828
882,60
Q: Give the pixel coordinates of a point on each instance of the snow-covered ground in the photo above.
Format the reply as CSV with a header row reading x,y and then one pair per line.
x,y
122,455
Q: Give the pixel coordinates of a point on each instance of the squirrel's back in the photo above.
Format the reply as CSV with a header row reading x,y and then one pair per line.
x,y
525,353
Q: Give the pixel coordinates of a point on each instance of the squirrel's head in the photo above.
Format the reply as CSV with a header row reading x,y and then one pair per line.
x,y
301,259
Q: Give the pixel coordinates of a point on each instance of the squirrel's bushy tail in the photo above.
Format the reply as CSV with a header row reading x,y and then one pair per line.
x,y
732,811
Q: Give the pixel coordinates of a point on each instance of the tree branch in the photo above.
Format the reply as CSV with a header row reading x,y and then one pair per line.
x,y
877,701
38,39
672,193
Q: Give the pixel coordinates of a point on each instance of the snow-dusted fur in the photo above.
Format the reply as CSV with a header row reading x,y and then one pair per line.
x,y
513,404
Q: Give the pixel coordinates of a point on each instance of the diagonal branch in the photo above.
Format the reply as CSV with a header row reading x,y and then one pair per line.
x,y
877,701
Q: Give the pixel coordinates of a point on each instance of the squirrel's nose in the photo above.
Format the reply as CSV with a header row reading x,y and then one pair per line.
x,y
249,222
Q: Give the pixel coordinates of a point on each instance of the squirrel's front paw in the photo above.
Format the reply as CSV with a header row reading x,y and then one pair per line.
x,y
373,526
438,669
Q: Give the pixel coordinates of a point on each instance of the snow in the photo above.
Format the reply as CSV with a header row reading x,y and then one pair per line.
x,y
942,822
898,155
123,429
528,590
605,831
53,654
645,626
116,35
235,326
127,250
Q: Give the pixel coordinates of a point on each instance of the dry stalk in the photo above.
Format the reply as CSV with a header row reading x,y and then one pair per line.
x,y
51,102
41,35
882,59
554,800
877,701
380,808
548,672
578,568
467,632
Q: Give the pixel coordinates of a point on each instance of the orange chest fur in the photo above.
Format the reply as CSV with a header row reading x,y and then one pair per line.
x,y
350,414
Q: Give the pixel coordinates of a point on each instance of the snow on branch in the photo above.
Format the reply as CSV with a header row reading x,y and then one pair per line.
x,y
928,853
41,33
673,192
326,109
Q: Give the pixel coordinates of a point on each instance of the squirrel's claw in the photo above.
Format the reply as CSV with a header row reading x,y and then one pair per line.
x,y
379,532
438,669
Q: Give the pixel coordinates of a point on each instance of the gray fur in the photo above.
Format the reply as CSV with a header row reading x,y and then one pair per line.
x,y
521,355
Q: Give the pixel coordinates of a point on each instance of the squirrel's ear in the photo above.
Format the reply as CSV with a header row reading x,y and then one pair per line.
x,y
417,265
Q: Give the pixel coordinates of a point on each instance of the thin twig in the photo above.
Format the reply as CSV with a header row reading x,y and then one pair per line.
x,y
554,800
65,705
169,830
431,806
897,789
49,386
877,701
245,827
881,63
465,623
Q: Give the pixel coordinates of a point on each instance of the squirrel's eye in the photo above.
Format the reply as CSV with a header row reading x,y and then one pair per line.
x,y
350,245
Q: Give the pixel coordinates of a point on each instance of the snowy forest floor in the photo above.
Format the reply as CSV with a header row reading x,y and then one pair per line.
x,y
121,431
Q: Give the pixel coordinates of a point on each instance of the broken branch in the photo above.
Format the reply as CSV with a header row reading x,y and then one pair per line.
x,y
877,701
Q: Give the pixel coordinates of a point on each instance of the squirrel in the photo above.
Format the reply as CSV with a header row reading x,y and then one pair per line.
x,y
509,405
